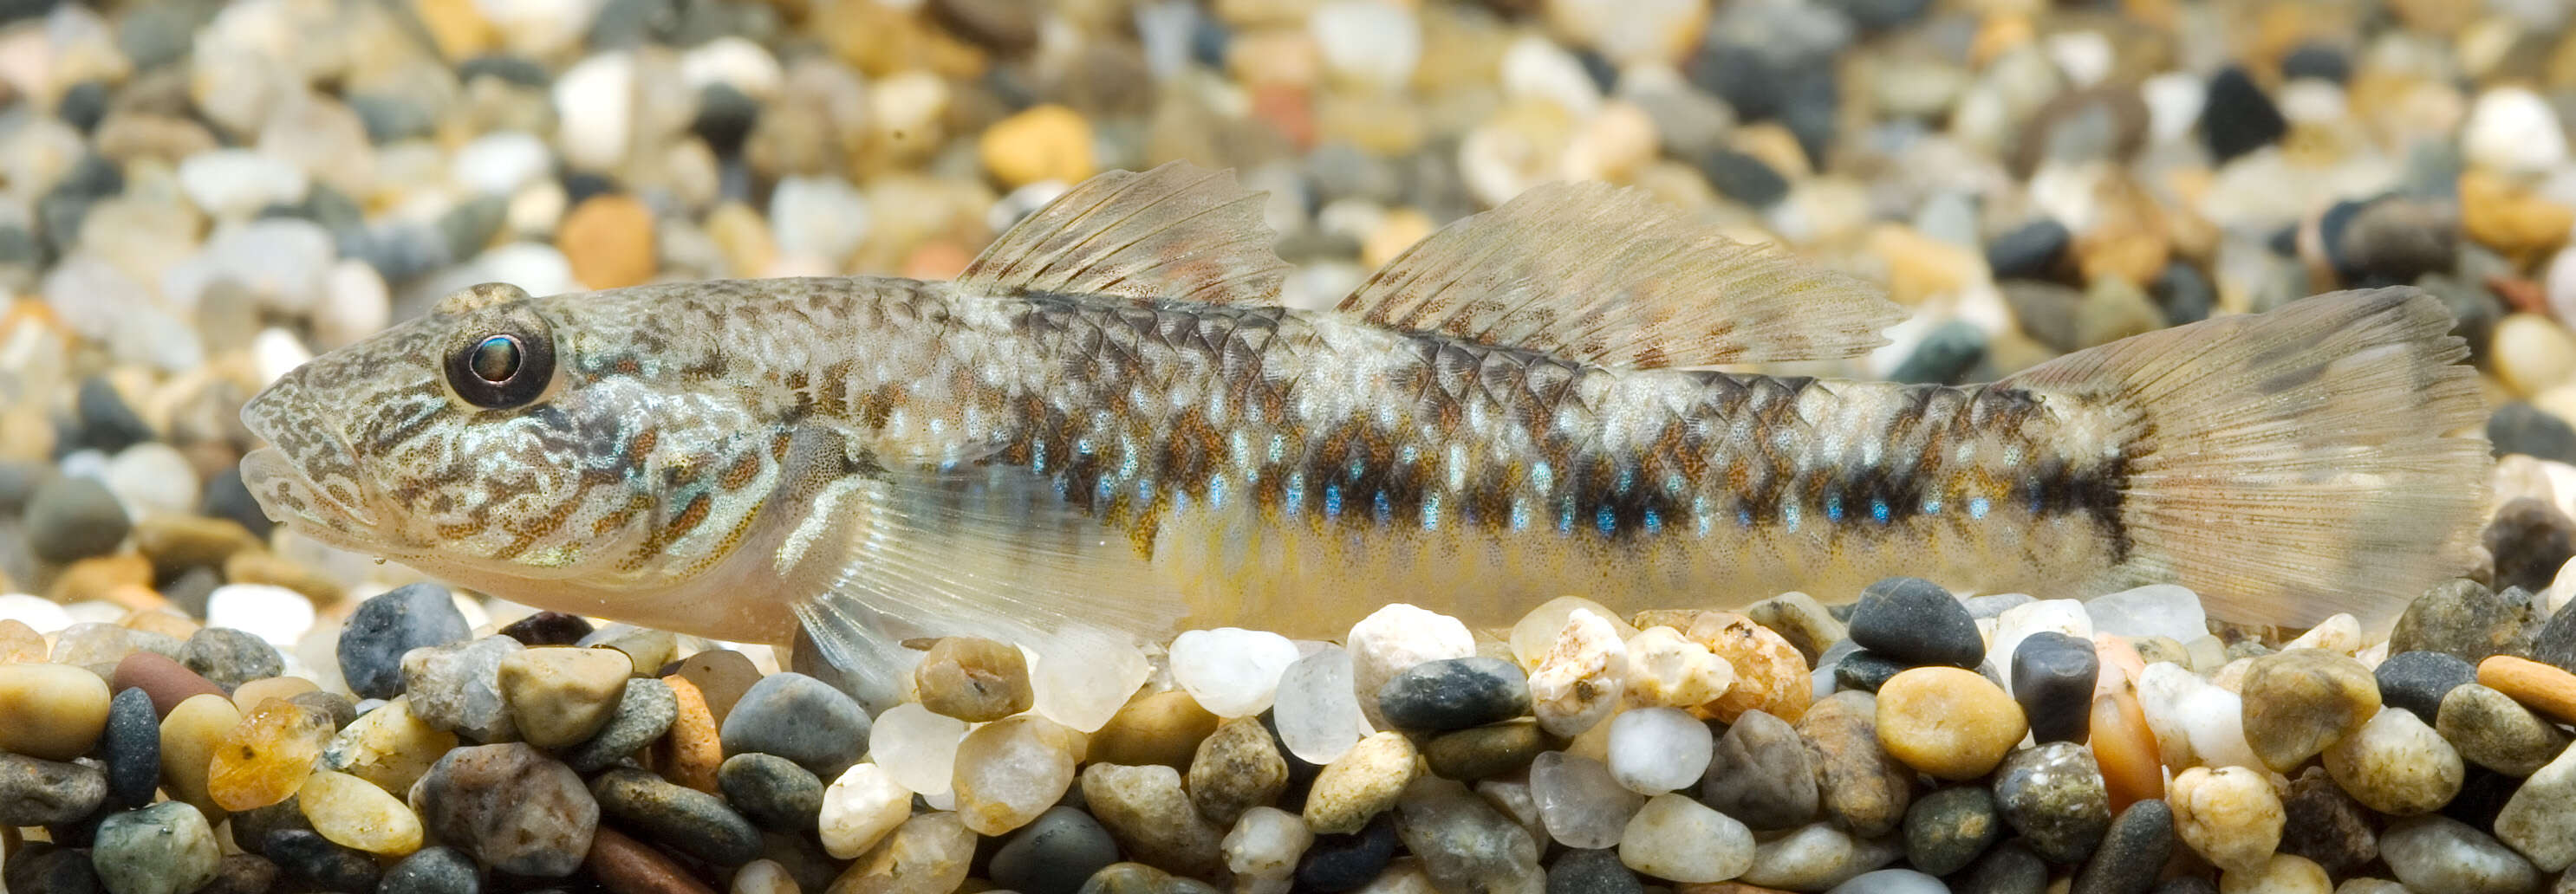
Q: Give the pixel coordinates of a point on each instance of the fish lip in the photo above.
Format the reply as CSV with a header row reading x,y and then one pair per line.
x,y
265,469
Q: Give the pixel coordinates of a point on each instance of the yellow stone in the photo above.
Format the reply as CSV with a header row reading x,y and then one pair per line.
x,y
251,695
1048,142
189,737
51,711
1947,722
353,812
608,240
1161,728
389,746
265,758
1361,783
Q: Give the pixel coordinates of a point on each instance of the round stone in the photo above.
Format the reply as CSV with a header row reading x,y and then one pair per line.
x,y
131,745
189,738
2278,874
1817,857
548,629
38,792
1580,804
1472,754
1592,872
1363,783
1346,862
1866,671
2396,765
56,711
1917,621
1396,637
381,629
354,813
798,718
387,746
684,819
859,809
560,697
1949,829
1761,774
2230,815
2325,825
2441,855
1009,771
2052,679
167,848
1231,671
974,679
456,687
645,710
433,870
229,658
2540,819
2492,730
1237,768
2298,701
2053,796
918,747
509,807
2418,681
772,791
1146,809
1946,722
1657,750
1318,714
265,759
74,517
167,682
305,854
1054,853
1454,694
1676,838
1265,843
1857,782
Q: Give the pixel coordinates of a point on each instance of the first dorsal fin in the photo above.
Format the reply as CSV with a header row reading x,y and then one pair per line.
x,y
1177,231
1607,275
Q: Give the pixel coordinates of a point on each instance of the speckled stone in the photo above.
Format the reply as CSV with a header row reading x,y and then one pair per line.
x,y
456,687
2325,825
1454,694
2418,681
799,718
167,848
1492,750
305,854
1054,853
974,679
2053,795
1762,774
1592,872
1148,811
1238,767
1948,829
510,807
2466,620
373,640
772,791
1363,783
2492,730
433,870
2132,853
688,820
2298,701
131,748
1857,783
38,792
229,658
644,712
2008,869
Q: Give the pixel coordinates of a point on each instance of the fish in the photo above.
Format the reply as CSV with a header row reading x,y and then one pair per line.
x,y
1109,427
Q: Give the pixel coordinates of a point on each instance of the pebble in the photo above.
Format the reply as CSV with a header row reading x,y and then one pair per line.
x,y
1580,804
1148,811
1318,715
1857,782
2419,681
2512,130
510,807
645,710
167,848
1361,784
1453,694
1947,722
1464,842
2053,795
608,240
1237,768
549,629
2281,874
1592,872
1400,636
2327,826
2230,815
1231,671
275,614
229,658
1676,838
2540,819
2028,251
971,679
623,864
917,747
382,628
1815,858
2396,765
189,737
244,874
433,870
264,759
45,868
2462,618
649,649
560,697
130,745
1043,143
2237,117
1054,853
1950,828
1917,621
2053,677
354,813
37,792
2493,731
2441,855
859,809
1799,618
1762,774
165,682
690,821
2298,701
59,710
2132,853
1496,750
456,687
798,718
1577,684
1138,878
1010,770
772,792
2540,687
387,746
305,854
100,647
1657,750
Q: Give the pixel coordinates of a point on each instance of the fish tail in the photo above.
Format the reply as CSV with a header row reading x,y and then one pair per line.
x,y
2323,457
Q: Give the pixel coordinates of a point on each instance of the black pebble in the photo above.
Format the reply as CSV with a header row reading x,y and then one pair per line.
x,y
2183,293
2482,795
2417,681
46,868
132,745
2029,251
1592,872
2326,825
242,874
1944,356
1054,853
2189,884
83,105
2317,60
1866,670
2010,868
772,791
548,629
106,423
1455,693
1343,862
2052,678
305,854
227,497
1947,830
1742,177
390,624
2519,427
725,117
2238,117
433,870
1917,621
2135,849
2530,541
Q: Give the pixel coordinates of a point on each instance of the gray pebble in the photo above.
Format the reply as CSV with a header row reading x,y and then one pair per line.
x,y
799,718
645,712
2008,869
1454,694
509,807
242,874
772,791
37,792
40,867
433,870
1053,853
685,819
456,688
229,658
305,854
1592,872
389,624
252,827
1948,829
2465,619
2131,854
132,746
74,517
1762,774
2053,795
166,848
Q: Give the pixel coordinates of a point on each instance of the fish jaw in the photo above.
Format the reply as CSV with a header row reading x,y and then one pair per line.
x,y
309,478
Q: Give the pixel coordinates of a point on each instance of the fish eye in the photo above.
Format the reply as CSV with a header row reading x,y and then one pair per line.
x,y
501,370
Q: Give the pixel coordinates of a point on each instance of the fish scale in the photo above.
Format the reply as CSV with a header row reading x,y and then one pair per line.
x,y
1107,429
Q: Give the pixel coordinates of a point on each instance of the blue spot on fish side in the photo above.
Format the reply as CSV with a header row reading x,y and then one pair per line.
x,y
1789,516
1654,522
1431,512
1743,517
1879,510
1977,507
1294,495
1332,501
1834,509
1603,519
1931,505
1385,509
1216,491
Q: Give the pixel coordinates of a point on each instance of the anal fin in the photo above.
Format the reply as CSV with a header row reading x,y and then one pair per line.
x,y
1175,232
1606,275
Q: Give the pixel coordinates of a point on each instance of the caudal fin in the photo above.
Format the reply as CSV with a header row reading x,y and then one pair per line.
x,y
2319,458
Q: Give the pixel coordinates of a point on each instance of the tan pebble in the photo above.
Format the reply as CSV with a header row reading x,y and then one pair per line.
x,y
251,695
1579,682
2230,815
175,543
1802,620
1401,228
1238,768
2537,686
165,681
266,757
928,854
353,812
1770,675
1163,728
562,696
1947,722
262,567
388,746
189,738
113,578
1857,781
1047,142
2125,748
1149,813
974,679
2281,874
742,234
19,642
608,240
1361,784
2496,732
457,27
165,620
2339,633
691,751
2396,765
1667,671
2532,354
627,866
1011,770
2298,701
722,676
2510,217
53,711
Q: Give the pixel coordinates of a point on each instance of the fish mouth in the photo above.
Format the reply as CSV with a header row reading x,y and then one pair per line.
x,y
309,475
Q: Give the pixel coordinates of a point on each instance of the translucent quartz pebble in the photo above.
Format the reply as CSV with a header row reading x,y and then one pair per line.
x,y
1011,770
1535,633
1680,839
1397,637
1231,671
2152,610
1082,678
1580,802
1657,750
859,809
1318,713
917,747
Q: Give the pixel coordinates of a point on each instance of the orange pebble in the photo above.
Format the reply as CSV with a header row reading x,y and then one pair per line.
x,y
2537,686
690,753
2126,749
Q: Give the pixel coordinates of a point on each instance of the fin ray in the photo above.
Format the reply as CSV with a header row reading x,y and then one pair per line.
x,y
1175,232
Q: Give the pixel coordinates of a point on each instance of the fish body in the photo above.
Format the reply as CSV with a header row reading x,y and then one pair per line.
x,y
1109,424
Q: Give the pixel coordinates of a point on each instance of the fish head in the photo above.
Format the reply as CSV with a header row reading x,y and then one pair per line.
x,y
510,444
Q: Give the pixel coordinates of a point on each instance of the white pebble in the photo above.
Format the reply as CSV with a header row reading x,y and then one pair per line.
x,y
281,259
734,61
1676,838
92,296
500,162
1657,750
763,877
2512,130
1891,881
1397,637
541,28
274,352
153,478
1370,42
1319,716
355,304
595,110
823,218
859,808
1231,671
1265,843
273,613
2151,610
234,183
1579,682
1082,679
1578,800
1536,68
917,747
45,615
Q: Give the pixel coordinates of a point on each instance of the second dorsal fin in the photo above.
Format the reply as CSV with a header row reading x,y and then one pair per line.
x,y
1177,231
1610,276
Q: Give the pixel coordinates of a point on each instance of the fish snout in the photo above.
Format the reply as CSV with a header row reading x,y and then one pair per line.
x,y
308,475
